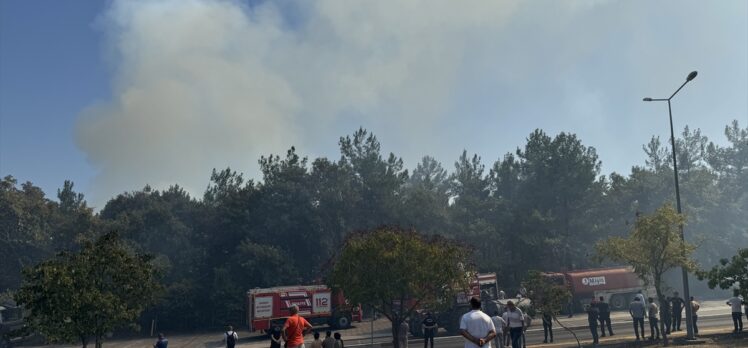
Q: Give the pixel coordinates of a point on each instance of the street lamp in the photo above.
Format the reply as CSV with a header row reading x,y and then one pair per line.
x,y
686,293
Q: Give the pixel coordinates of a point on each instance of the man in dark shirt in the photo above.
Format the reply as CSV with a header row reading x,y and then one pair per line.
x,y
593,315
604,316
666,314
162,342
429,330
677,304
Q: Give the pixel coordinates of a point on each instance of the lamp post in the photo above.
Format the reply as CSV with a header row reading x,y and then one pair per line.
x,y
686,292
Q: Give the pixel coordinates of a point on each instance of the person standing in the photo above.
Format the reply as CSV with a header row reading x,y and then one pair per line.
x,y
737,316
515,321
328,342
429,327
527,321
402,334
547,327
653,311
161,342
637,310
230,337
666,314
339,341
694,315
477,327
317,343
295,328
498,324
604,317
593,315
677,305
275,338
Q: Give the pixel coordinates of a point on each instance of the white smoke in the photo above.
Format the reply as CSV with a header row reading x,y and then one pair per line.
x,y
204,84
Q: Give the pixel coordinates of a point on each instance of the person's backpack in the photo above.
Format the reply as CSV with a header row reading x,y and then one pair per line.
x,y
230,338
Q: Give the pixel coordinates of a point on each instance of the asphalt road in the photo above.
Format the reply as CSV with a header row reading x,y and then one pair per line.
x,y
621,329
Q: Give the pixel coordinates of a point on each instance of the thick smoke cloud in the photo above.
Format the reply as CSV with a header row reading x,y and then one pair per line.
x,y
201,84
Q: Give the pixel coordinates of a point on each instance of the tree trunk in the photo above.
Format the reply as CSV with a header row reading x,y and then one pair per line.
x,y
395,334
99,341
579,344
84,341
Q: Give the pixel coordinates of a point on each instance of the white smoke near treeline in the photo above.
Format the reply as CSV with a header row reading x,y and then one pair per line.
x,y
209,84
202,84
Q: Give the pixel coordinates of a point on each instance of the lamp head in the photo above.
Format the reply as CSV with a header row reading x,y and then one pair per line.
x,y
647,99
691,76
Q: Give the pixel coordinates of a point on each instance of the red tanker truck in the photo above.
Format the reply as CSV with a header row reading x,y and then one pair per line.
x,y
617,285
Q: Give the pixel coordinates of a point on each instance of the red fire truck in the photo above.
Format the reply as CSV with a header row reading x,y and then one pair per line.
x,y
484,285
269,308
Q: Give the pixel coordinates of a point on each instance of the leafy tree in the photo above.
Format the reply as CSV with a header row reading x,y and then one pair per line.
x,y
88,293
729,273
396,271
653,247
547,297
475,216
425,197
375,181
35,227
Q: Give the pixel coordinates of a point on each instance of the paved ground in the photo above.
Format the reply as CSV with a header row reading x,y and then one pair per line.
x,y
714,317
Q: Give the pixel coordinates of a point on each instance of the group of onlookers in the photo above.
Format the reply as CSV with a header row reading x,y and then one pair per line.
x,y
671,315
509,328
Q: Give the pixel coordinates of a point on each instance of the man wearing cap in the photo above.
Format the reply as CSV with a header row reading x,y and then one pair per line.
x,y
637,309
515,321
295,328
477,327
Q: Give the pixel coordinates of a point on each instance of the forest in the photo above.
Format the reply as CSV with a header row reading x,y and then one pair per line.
x,y
540,207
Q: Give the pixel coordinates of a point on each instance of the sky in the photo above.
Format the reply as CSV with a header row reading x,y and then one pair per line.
x,y
114,95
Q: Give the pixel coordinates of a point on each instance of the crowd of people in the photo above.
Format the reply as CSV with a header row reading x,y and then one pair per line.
x,y
509,328
479,330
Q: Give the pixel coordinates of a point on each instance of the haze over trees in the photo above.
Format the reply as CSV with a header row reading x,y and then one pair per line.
x,y
541,207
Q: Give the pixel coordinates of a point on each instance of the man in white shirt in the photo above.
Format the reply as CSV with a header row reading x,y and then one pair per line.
x,y
477,327
515,321
737,316
498,324
653,313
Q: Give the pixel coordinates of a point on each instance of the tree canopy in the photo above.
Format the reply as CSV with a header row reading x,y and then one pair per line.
x,y
89,293
730,273
653,248
397,271
541,206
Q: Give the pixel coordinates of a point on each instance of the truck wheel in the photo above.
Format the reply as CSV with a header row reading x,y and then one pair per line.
x,y
618,302
342,322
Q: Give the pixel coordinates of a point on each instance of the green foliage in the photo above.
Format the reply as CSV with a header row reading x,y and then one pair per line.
x,y
543,207
88,293
396,271
34,227
729,273
544,295
653,247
